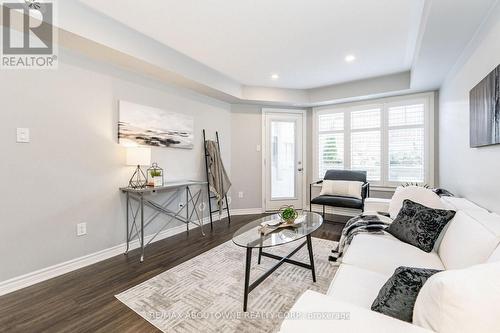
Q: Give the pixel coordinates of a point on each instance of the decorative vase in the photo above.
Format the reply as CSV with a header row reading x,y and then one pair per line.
x,y
158,181
155,176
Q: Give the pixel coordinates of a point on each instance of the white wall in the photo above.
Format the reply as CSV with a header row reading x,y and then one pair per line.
x,y
72,169
470,172
246,161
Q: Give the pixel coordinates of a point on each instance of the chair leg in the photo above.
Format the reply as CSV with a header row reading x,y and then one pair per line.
x,y
323,212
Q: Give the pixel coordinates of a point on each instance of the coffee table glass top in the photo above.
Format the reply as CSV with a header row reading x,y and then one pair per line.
x,y
249,235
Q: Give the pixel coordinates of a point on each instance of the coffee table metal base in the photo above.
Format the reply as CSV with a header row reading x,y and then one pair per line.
x,y
249,287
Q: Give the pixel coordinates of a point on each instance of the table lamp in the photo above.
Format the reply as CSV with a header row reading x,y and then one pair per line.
x,y
138,156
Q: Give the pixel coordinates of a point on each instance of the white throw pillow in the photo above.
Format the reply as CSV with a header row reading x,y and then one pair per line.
x,y
421,195
461,301
342,188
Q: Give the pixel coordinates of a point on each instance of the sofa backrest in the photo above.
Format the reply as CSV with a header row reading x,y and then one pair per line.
x,y
495,256
359,176
471,238
456,204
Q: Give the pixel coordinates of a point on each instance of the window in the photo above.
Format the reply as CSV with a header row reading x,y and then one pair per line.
x,y
365,142
406,143
331,141
386,139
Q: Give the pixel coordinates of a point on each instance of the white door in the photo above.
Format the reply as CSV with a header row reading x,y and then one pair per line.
x,y
283,159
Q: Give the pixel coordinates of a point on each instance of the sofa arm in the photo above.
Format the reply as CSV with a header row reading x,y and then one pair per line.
x,y
374,205
315,312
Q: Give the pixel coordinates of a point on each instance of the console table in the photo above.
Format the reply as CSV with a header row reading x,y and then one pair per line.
x,y
189,191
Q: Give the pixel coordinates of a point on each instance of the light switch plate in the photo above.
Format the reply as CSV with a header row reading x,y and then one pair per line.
x,y
23,135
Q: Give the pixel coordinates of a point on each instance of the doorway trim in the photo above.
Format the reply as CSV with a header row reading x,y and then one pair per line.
x,y
303,113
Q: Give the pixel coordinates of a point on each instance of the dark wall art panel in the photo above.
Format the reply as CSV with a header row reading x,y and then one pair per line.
x,y
485,111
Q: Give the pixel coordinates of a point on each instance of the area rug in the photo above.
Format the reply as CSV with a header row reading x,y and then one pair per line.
x,y
205,294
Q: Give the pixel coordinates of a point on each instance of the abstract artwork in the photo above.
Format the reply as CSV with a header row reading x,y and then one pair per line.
x,y
148,126
485,111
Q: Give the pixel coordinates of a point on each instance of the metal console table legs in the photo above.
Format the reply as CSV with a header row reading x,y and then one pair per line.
x,y
138,199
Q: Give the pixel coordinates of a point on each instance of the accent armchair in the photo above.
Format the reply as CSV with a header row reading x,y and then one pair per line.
x,y
341,201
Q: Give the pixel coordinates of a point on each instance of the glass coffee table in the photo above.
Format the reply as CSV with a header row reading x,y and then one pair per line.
x,y
250,238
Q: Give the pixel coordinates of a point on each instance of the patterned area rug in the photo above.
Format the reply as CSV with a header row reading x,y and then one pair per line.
x,y
205,294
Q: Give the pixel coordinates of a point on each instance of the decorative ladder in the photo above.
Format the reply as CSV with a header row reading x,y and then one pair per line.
x,y
210,196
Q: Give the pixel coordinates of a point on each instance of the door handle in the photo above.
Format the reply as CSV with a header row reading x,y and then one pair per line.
x,y
300,169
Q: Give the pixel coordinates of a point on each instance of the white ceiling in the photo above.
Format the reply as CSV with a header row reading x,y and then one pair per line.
x,y
304,41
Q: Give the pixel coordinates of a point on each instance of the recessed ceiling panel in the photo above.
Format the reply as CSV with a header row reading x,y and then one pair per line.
x,y
303,43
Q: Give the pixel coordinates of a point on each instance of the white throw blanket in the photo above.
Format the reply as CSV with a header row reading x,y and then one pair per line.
x,y
371,223
217,176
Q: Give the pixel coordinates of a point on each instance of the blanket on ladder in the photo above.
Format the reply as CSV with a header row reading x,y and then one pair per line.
x,y
373,223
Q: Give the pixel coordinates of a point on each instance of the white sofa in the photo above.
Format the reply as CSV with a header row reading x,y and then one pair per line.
x,y
472,237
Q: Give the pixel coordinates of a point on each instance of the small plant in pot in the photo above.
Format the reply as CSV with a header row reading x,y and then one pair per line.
x,y
156,176
288,214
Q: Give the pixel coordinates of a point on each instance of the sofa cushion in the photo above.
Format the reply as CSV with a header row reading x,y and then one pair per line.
x,y
340,317
338,201
470,239
461,300
421,195
356,285
385,253
419,225
398,295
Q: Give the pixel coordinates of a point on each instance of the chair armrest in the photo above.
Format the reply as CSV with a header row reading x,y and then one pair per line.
x,y
310,189
365,191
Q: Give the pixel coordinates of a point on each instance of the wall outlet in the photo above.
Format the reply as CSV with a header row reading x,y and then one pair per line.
x,y
240,194
258,148
81,229
23,135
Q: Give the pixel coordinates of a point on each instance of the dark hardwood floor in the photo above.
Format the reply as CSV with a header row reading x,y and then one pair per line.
x,y
83,300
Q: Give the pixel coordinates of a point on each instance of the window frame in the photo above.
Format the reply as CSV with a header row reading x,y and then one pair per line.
x,y
427,99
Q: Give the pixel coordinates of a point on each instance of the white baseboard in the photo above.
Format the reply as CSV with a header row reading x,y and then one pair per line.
x,y
43,274
50,272
247,211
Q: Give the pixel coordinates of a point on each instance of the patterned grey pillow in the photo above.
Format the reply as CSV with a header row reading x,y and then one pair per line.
x,y
419,225
398,295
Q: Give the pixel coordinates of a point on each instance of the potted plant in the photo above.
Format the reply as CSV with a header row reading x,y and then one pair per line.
x,y
288,214
155,176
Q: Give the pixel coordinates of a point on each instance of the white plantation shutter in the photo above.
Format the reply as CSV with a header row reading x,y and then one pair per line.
x,y
365,153
365,142
406,143
331,152
330,142
365,119
331,122
388,140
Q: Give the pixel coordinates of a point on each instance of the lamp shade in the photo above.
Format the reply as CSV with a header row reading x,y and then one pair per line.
x,y
138,156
